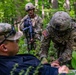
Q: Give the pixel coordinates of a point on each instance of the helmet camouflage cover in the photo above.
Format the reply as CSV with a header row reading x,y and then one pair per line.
x,y
29,6
5,28
61,21
7,32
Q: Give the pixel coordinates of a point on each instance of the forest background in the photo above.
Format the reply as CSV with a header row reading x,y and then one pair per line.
x,y
12,11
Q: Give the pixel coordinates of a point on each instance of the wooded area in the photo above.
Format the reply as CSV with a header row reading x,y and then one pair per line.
x,y
12,11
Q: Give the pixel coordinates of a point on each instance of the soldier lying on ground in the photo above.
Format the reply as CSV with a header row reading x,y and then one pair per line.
x,y
11,63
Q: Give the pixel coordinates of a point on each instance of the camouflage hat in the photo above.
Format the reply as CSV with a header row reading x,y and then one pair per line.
x,y
61,21
7,31
29,6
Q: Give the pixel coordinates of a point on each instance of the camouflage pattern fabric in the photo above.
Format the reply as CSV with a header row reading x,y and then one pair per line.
x,y
64,41
29,6
7,33
5,28
37,26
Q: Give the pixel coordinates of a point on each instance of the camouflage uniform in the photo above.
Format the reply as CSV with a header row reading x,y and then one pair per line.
x,y
62,31
36,22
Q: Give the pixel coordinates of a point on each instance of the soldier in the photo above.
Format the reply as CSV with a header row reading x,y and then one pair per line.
x,y
61,30
34,20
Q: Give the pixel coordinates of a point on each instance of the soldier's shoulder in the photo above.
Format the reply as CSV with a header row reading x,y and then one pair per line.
x,y
73,24
24,18
73,29
38,17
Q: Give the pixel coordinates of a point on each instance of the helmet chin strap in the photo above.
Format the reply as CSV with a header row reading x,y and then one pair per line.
x,y
12,32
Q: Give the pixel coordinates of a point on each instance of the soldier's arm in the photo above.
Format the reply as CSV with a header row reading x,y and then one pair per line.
x,y
39,25
67,54
71,45
21,24
45,43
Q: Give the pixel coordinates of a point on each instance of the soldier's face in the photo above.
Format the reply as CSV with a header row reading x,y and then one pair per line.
x,y
31,12
11,47
57,27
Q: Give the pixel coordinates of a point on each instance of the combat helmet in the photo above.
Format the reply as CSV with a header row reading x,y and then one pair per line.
x,y
29,6
61,21
8,32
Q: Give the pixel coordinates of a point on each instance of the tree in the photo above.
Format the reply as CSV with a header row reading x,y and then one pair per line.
x,y
67,5
54,4
75,9
43,13
36,4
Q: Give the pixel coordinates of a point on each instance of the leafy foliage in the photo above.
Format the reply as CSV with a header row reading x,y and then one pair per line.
x,y
11,10
74,59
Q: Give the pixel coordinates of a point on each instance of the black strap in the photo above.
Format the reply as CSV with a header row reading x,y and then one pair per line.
x,y
13,32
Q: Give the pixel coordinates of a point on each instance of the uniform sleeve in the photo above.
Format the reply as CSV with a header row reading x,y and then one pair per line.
x,y
45,44
48,70
21,25
71,45
67,54
74,39
39,25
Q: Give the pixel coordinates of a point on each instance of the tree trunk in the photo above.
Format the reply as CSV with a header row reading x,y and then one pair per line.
x,y
28,0
49,1
54,4
36,4
75,9
43,10
67,5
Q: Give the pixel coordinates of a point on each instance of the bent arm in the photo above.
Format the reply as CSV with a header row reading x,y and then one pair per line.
x,y
45,43
66,55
